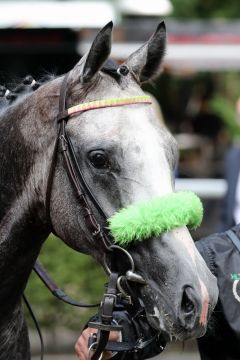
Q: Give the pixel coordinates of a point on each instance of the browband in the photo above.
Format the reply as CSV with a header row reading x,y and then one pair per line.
x,y
99,104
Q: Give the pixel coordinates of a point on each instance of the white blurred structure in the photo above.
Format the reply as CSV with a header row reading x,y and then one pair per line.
x,y
192,45
75,14
205,188
56,14
145,7
186,57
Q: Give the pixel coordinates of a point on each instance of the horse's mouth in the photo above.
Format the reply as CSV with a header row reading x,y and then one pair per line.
x,y
162,321
163,316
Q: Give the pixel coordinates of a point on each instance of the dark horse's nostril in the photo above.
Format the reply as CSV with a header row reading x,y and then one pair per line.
x,y
187,305
189,309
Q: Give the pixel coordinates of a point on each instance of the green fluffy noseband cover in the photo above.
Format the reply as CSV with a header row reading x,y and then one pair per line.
x,y
154,217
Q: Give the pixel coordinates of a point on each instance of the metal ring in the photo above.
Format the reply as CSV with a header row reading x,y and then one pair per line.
x,y
126,253
120,288
90,349
107,268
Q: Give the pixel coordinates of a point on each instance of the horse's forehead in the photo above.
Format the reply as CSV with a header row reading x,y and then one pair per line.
x,y
127,123
126,126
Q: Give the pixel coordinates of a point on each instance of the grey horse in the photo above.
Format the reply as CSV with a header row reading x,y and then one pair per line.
x,y
138,157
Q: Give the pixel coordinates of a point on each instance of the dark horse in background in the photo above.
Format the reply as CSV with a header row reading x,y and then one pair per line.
x,y
126,156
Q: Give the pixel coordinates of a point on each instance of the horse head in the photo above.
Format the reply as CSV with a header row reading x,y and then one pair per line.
x,y
126,156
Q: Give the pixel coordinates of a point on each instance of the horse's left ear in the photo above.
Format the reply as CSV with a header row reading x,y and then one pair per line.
x,y
145,62
98,53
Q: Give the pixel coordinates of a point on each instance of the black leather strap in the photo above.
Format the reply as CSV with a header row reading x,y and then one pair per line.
x,y
54,288
233,237
61,115
106,316
64,145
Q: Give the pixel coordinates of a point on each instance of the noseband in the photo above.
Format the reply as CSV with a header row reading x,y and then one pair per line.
x,y
115,289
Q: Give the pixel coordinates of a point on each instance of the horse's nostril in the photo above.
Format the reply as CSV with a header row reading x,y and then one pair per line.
x,y
187,305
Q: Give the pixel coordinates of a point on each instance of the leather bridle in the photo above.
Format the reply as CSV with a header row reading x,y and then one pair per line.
x,y
115,288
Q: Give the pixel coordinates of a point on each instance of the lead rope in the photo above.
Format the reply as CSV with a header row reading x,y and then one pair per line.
x,y
55,289
57,292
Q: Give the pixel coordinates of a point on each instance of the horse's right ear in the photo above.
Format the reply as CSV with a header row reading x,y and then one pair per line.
x,y
145,62
98,53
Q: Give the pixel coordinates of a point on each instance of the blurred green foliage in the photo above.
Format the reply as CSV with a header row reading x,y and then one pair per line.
x,y
226,110
77,274
223,102
189,9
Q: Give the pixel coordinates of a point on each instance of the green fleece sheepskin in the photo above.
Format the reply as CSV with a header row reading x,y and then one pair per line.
x,y
154,217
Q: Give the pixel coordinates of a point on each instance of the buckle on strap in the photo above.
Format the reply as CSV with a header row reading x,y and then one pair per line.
x,y
63,144
63,115
97,231
111,297
109,300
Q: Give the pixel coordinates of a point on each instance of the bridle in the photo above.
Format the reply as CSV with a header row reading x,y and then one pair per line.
x,y
118,283
64,145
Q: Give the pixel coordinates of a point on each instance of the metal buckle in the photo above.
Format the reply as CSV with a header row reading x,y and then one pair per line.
x,y
113,296
97,231
63,143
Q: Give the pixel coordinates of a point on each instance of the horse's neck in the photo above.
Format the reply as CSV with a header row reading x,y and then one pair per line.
x,y
14,341
21,237
22,227
22,232
20,241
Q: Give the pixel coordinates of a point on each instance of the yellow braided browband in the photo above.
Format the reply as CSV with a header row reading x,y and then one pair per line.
x,y
98,104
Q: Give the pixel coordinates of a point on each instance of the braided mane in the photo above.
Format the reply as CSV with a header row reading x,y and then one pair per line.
x,y
9,96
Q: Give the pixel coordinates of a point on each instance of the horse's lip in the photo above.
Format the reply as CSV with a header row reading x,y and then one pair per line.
x,y
192,334
175,332
164,319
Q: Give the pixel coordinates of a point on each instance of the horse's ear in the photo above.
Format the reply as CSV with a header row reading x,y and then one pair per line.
x,y
145,62
98,53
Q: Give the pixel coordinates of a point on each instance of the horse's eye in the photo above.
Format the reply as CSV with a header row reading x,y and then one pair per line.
x,y
98,159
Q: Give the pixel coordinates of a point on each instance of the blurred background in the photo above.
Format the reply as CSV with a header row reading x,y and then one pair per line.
x,y
197,93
